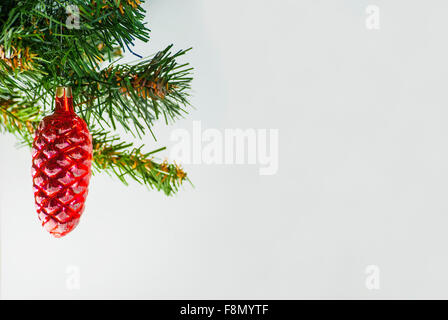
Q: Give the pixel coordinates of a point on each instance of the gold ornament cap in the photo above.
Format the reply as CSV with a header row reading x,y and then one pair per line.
x,y
61,90
64,100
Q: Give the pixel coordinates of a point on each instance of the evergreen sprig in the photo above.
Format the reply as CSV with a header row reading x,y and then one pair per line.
x,y
38,52
136,95
18,117
124,160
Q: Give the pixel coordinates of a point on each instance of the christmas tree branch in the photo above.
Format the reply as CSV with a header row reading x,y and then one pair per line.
x,y
124,160
137,95
39,51
18,117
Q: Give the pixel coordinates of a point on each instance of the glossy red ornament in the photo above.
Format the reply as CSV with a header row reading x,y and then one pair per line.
x,y
62,156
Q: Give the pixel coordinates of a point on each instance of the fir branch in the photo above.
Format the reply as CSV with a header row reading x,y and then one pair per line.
x,y
137,95
124,160
20,119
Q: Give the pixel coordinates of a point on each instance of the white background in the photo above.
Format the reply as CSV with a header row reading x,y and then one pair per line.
x,y
362,180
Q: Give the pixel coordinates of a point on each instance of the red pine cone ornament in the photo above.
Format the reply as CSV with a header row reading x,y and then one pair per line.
x,y
62,157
